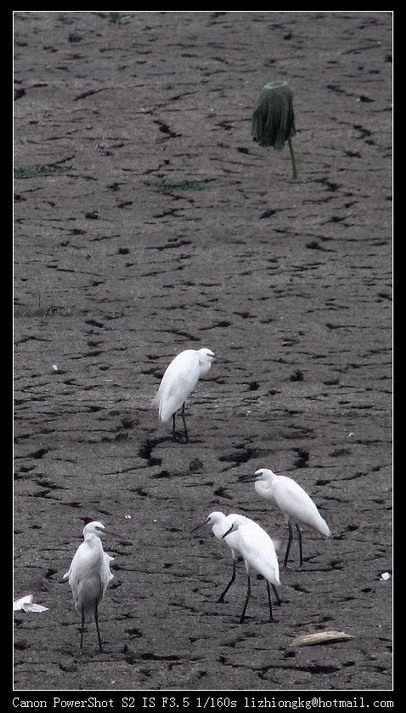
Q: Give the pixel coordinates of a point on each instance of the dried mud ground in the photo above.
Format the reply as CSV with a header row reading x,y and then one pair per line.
x,y
147,221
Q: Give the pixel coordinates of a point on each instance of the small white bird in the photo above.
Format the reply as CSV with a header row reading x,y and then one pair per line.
x,y
258,551
292,500
221,523
89,575
179,379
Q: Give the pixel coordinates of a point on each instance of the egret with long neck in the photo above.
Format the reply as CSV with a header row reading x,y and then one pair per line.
x,y
179,380
89,575
293,501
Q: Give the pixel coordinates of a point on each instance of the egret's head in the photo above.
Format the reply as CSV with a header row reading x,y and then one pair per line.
x,y
211,519
214,518
207,357
263,475
93,528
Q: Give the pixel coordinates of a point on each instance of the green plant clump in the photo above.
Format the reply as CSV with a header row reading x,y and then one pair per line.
x,y
114,17
50,311
180,186
34,171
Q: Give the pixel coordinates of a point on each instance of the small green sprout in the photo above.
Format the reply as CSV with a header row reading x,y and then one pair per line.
x,y
114,17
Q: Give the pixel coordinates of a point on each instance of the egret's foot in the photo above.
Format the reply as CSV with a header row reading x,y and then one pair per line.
x,y
178,437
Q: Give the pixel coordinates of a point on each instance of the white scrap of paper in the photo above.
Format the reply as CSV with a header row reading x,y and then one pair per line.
x,y
26,604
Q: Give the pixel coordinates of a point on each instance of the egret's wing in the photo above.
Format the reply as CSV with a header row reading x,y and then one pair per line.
x,y
258,550
107,574
179,380
77,559
297,505
291,498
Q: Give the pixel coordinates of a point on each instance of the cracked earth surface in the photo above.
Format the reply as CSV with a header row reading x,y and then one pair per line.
x,y
159,225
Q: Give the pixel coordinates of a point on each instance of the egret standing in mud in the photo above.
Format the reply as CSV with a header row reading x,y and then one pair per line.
x,y
220,524
258,551
89,575
179,379
292,500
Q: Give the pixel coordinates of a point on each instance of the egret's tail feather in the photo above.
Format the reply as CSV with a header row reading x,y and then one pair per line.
x,y
324,529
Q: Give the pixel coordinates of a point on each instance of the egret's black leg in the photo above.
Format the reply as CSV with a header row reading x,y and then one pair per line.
x,y
289,544
221,597
277,597
173,427
82,628
269,601
299,534
96,618
242,617
182,413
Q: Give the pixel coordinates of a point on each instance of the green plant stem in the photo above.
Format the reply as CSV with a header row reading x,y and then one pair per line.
x,y
292,156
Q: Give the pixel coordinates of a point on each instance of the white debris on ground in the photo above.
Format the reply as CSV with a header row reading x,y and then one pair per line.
x,y
27,604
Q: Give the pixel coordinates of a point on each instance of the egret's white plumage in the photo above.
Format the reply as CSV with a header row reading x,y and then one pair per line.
x,y
221,523
258,551
293,501
89,575
179,379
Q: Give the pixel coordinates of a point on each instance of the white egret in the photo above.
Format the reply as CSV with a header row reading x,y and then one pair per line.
x,y
221,523
179,379
292,500
89,575
258,551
